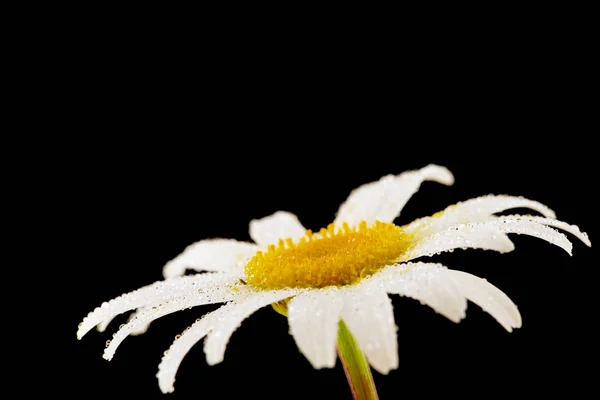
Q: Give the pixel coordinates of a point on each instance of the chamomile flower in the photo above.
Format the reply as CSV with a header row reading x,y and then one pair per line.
x,y
333,285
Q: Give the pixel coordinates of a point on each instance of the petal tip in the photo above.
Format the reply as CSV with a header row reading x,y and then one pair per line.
x,y
454,318
213,360
81,332
165,388
587,240
440,174
387,368
323,363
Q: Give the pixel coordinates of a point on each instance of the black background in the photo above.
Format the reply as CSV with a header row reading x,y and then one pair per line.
x,y
170,150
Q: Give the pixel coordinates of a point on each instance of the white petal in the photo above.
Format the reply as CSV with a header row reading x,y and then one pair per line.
x,y
487,235
220,255
270,229
369,315
384,199
474,210
478,237
162,290
426,282
492,204
523,226
172,358
572,229
489,298
218,325
139,329
216,342
101,327
207,295
313,318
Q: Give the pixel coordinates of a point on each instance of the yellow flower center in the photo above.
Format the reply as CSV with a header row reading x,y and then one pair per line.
x,y
335,257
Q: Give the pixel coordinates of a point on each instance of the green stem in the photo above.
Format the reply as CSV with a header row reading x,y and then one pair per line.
x,y
355,365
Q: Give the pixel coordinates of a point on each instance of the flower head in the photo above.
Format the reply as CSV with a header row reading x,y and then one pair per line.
x,y
344,272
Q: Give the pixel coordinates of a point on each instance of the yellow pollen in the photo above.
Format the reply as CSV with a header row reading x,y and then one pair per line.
x,y
337,256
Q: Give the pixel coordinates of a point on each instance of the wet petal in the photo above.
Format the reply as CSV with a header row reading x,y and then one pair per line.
x,y
368,313
492,204
427,283
101,327
217,339
220,323
219,255
474,210
270,229
488,235
208,295
384,199
158,291
485,238
521,225
172,358
313,318
139,329
572,229
489,298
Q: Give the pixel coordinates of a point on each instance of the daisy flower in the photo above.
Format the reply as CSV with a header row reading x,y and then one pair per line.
x,y
333,285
